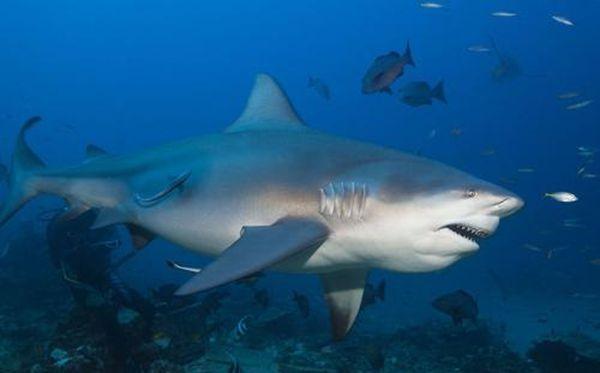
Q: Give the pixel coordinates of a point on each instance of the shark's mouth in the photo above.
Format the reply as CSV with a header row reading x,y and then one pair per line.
x,y
469,232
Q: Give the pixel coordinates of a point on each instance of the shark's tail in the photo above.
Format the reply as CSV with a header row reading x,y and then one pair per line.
x,y
438,92
25,164
408,59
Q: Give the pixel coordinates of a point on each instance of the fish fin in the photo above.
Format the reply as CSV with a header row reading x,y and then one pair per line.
x,y
258,248
438,92
268,108
344,292
25,163
408,59
164,193
93,151
140,237
108,216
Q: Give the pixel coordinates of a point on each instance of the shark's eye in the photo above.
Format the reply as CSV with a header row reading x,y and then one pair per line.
x,y
470,193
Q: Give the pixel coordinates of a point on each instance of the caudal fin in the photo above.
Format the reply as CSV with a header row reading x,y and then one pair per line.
x,y
25,163
408,56
438,92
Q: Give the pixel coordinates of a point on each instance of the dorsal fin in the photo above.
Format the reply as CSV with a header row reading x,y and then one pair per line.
x,y
93,151
268,107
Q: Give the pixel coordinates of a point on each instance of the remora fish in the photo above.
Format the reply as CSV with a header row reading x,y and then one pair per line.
x,y
271,193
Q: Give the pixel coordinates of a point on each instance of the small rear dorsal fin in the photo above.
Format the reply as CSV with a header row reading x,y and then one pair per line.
x,y
268,108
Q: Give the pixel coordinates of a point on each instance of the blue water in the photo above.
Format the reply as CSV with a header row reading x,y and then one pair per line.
x,y
127,75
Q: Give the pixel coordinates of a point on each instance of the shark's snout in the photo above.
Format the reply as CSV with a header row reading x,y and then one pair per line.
x,y
508,205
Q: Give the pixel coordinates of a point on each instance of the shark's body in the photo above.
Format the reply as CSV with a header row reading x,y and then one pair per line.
x,y
273,193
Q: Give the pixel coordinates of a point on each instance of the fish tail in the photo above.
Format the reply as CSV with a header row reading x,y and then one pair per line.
x,y
438,92
25,165
408,55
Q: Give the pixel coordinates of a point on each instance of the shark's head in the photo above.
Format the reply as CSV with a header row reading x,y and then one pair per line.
x,y
429,215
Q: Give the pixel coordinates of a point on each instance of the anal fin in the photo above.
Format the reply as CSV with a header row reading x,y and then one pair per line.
x,y
344,292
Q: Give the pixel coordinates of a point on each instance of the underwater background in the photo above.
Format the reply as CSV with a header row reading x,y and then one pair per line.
x,y
127,75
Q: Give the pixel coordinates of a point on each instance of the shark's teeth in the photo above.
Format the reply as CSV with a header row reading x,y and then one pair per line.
x,y
468,232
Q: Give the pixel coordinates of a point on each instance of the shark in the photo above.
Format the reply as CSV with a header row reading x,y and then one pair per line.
x,y
271,193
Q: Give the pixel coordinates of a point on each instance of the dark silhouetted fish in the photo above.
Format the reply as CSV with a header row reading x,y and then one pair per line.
x,y
507,68
302,303
384,70
262,297
420,93
459,305
320,87
557,356
372,293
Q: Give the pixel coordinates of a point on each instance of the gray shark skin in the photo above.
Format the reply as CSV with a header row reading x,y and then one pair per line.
x,y
271,193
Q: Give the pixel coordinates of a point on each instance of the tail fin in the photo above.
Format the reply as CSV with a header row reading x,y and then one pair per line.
x,y
381,290
24,164
408,56
438,92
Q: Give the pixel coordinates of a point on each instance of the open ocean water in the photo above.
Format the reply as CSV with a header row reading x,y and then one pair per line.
x,y
506,91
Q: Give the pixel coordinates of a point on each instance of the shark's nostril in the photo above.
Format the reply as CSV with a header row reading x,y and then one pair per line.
x,y
508,206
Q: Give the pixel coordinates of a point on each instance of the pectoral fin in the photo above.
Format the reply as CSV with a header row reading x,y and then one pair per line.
x,y
258,248
343,293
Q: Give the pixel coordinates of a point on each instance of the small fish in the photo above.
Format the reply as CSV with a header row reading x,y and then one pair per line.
x,y
586,149
479,49
504,14
579,105
580,171
302,303
420,93
595,262
568,95
564,197
384,70
488,152
431,5
320,87
459,305
589,176
525,170
533,248
563,20
573,225
456,132
432,133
